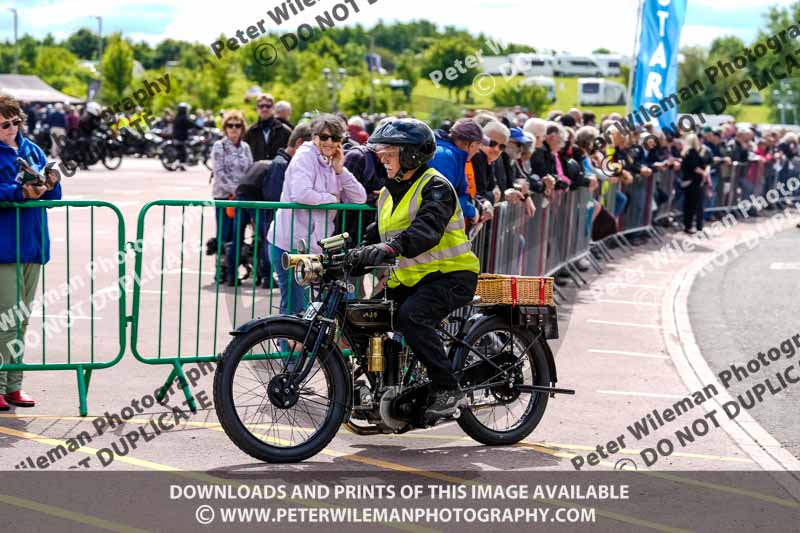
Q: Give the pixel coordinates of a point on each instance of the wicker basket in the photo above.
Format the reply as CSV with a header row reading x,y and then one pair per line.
x,y
514,290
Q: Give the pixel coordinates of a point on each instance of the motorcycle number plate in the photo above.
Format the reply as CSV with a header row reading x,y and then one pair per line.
x,y
312,311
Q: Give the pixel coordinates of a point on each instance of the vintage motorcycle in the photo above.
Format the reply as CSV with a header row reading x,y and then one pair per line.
x,y
285,384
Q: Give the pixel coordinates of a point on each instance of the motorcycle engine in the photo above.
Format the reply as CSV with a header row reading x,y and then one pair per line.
x,y
387,416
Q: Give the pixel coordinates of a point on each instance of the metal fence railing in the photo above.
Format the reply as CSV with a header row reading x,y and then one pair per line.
x,y
182,306
70,322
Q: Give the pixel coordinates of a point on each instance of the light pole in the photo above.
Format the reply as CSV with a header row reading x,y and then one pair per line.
x,y
100,43
784,97
16,46
335,83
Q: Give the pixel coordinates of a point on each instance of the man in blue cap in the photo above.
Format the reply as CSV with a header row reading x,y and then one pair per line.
x,y
453,150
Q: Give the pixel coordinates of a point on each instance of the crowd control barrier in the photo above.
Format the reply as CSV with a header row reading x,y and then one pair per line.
x,y
182,308
71,323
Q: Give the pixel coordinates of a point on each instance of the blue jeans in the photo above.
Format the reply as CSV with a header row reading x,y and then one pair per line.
x,y
620,203
243,218
293,297
712,201
224,232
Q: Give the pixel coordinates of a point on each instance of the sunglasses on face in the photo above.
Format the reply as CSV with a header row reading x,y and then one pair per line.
x,y
493,144
8,124
265,106
236,126
324,137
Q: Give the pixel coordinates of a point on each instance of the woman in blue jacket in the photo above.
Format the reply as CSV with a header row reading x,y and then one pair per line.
x,y
34,245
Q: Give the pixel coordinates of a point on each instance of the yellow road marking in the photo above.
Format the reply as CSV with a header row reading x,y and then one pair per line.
x,y
153,466
397,467
68,515
548,445
85,449
542,448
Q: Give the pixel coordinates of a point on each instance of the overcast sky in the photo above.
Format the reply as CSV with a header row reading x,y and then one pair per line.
x,y
577,26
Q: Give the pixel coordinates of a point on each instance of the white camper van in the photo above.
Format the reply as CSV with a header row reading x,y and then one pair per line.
x,y
543,81
569,65
597,91
532,64
610,63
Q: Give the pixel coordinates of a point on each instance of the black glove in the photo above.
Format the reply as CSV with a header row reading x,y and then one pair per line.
x,y
377,254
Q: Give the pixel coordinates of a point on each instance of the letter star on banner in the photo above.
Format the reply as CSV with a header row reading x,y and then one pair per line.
x,y
657,64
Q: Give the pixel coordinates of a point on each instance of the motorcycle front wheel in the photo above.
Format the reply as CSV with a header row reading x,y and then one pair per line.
x,y
112,159
251,397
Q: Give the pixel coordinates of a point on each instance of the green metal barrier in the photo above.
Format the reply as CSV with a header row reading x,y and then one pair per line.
x,y
104,269
179,245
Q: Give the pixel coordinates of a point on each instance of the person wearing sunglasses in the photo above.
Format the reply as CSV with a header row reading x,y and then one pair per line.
x,y
230,159
268,135
315,176
30,224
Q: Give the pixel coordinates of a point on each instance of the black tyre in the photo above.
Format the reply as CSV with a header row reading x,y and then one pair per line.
x,y
505,415
170,159
252,417
113,157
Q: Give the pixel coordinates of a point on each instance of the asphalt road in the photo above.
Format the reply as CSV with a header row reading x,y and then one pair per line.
x,y
748,306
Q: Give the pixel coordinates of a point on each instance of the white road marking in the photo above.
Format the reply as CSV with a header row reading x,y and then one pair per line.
x,y
634,285
626,324
693,369
784,266
487,468
71,317
631,354
628,302
115,289
647,394
638,271
177,271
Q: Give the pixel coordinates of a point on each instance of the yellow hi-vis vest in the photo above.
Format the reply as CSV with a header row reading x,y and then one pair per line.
x,y
452,254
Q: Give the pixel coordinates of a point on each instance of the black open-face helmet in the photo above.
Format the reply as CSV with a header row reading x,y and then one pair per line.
x,y
414,137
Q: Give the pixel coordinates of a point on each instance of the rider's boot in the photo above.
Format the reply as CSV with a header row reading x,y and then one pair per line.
x,y
445,402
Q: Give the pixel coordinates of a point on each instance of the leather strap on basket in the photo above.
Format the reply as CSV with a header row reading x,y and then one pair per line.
x,y
513,291
541,292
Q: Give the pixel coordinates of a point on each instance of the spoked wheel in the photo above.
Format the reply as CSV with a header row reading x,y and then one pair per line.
x,y
260,411
170,159
505,413
113,157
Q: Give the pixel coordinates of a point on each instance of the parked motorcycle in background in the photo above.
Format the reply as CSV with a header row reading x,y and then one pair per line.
x,y
138,144
198,149
104,147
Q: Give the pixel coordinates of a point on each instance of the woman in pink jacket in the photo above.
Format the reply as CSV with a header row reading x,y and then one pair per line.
x,y
316,176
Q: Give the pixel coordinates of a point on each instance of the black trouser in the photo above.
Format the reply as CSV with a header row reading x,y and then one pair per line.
x,y
422,308
693,206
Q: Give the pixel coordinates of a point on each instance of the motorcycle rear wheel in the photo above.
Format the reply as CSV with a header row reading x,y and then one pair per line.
x,y
170,159
523,410
112,159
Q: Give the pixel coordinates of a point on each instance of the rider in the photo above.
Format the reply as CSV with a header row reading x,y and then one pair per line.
x,y
89,123
180,131
420,222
